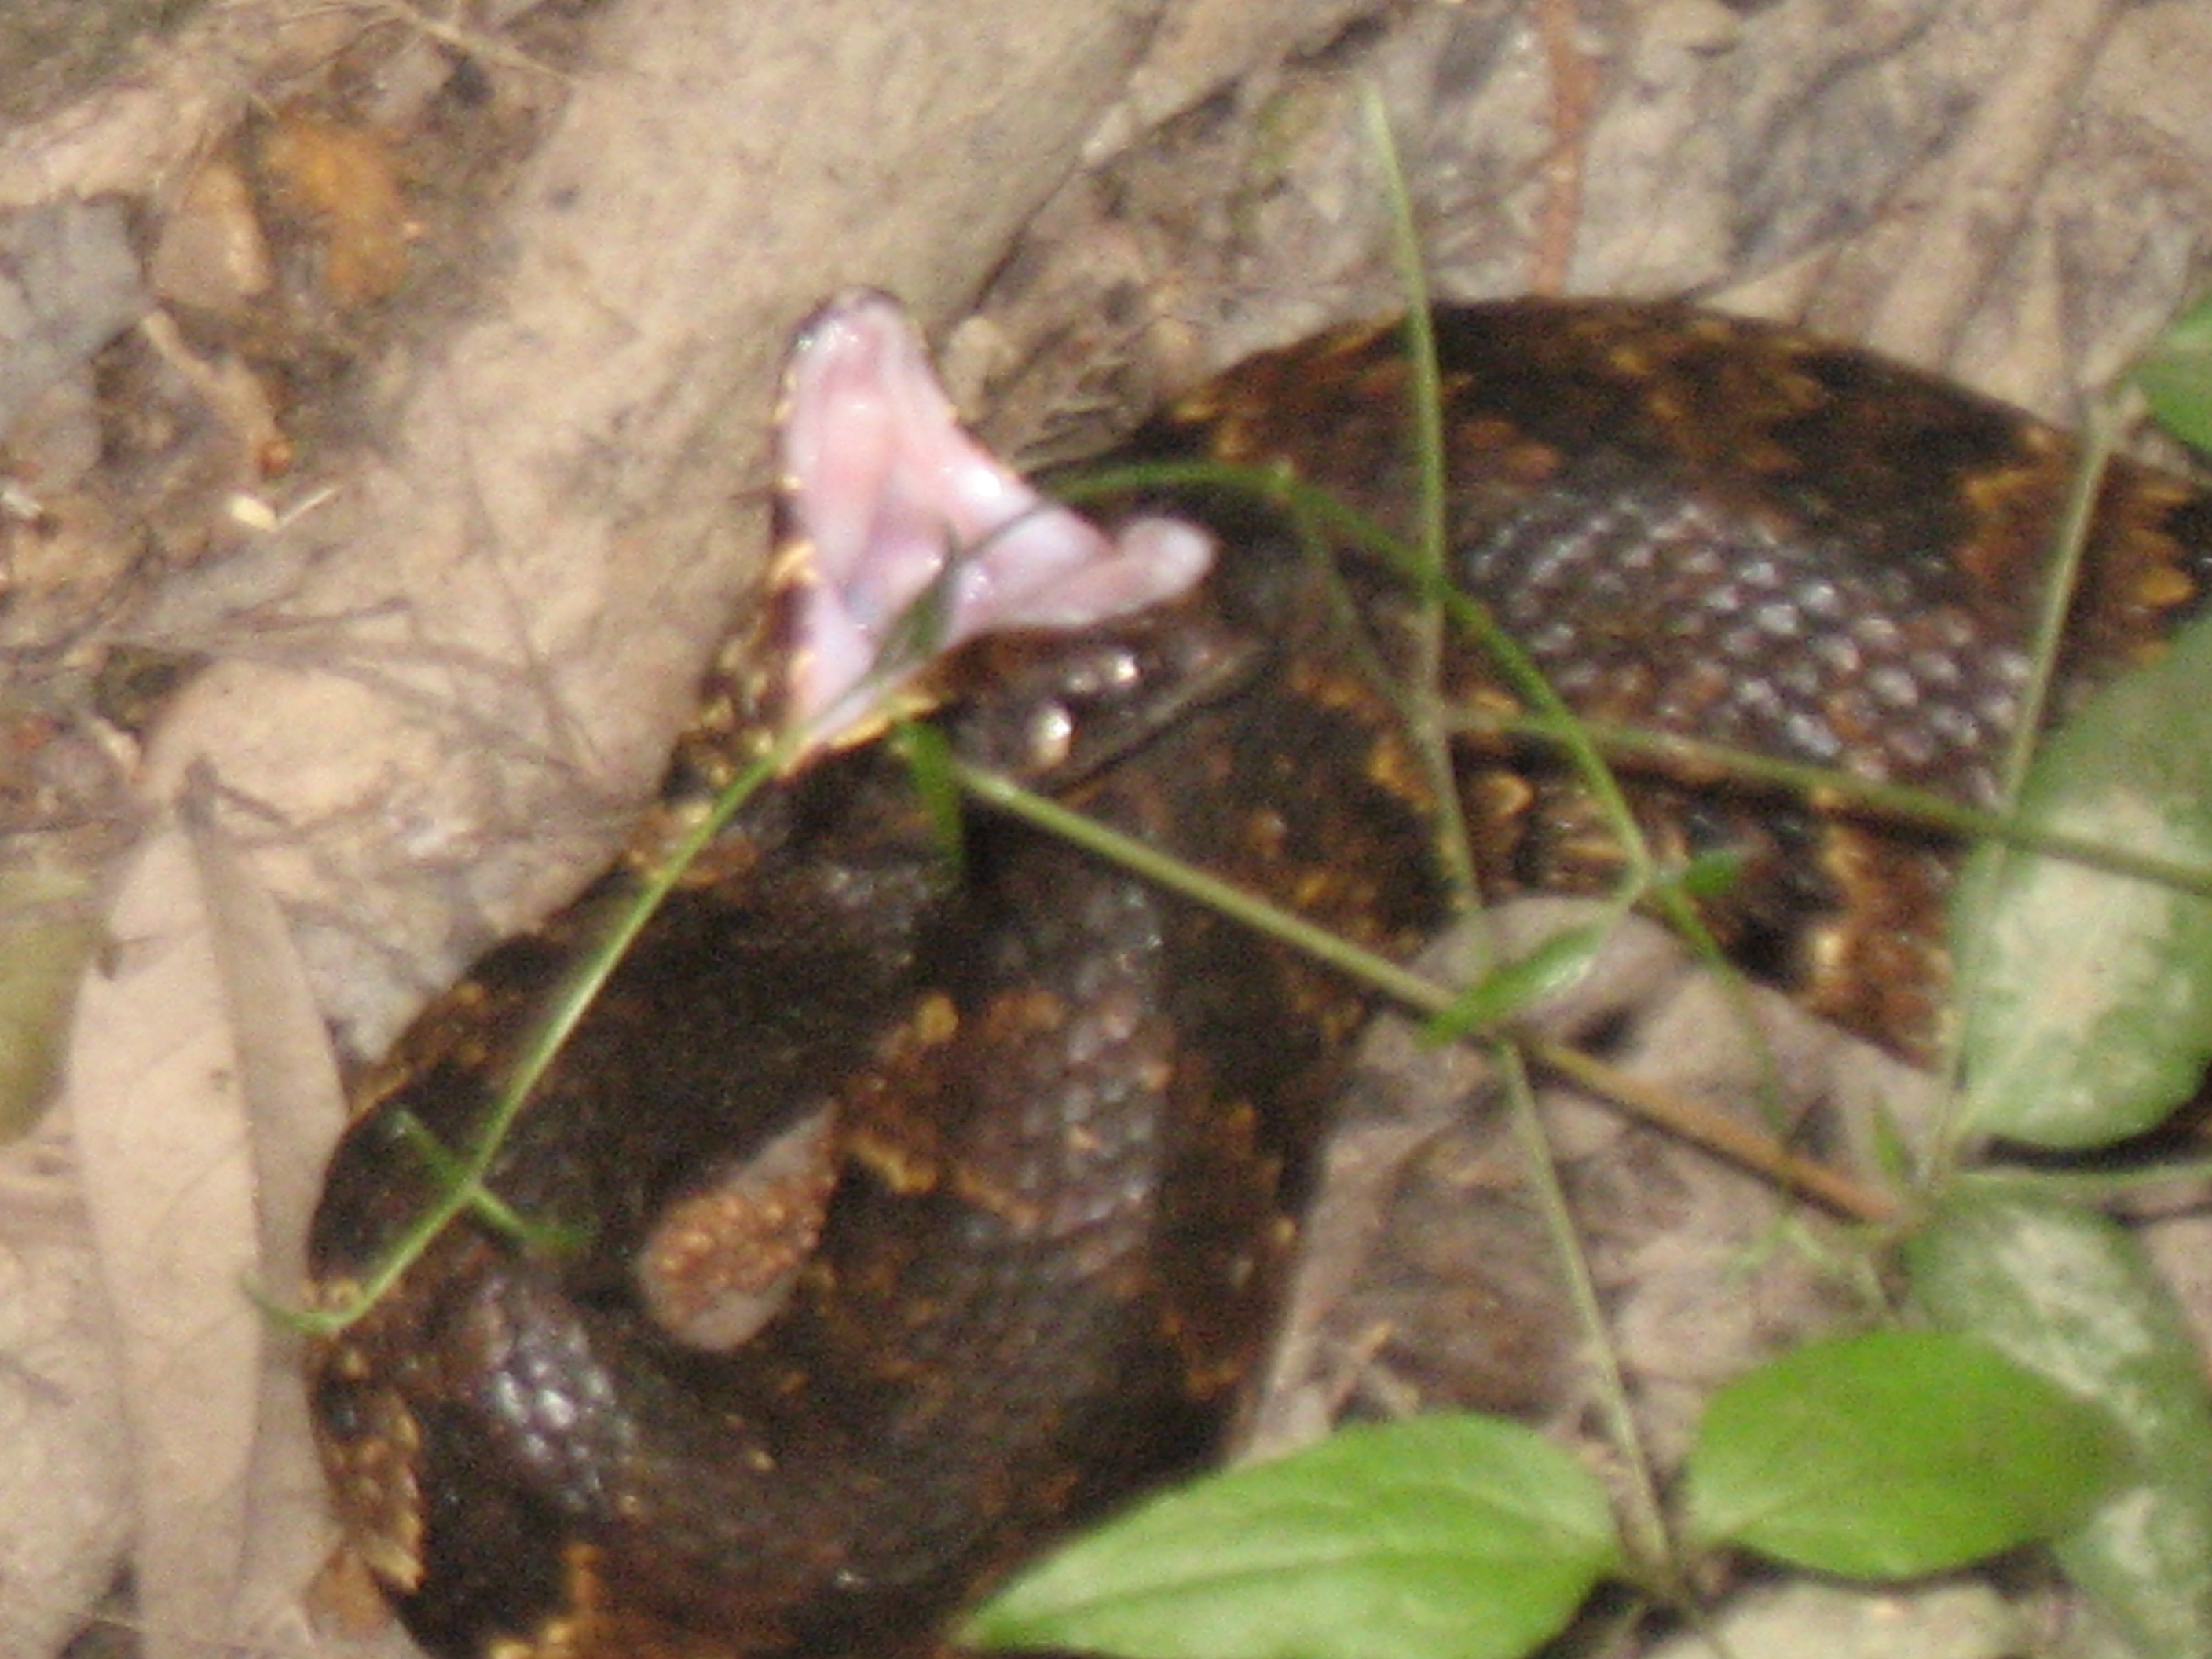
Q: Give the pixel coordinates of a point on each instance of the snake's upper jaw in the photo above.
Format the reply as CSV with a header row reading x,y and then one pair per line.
x,y
900,536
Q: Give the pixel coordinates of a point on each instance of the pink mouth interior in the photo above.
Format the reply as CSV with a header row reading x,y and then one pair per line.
x,y
905,538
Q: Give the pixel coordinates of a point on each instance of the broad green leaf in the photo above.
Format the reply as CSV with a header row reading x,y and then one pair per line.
x,y
1439,1538
2176,376
2071,1294
1894,1455
2088,997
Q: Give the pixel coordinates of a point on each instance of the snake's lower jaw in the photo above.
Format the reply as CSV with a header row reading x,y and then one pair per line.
x,y
900,536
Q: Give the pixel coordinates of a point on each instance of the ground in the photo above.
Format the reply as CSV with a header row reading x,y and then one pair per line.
x,y
387,394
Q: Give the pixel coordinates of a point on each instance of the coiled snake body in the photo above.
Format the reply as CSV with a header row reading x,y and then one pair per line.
x,y
1052,1126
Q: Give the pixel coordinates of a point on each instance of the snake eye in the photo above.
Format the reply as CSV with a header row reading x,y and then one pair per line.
x,y
1060,707
1051,737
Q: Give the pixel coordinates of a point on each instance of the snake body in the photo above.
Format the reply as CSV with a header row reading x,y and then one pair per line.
x,y
1060,1123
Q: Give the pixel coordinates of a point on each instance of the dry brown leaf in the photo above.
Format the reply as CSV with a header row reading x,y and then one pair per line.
x,y
162,1142
203,1100
64,1474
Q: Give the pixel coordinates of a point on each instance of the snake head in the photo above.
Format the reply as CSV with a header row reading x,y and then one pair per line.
x,y
899,537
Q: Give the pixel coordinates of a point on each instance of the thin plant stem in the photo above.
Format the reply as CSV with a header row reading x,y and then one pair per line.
x,y
1647,1521
1431,550
1892,802
462,1186
1725,1136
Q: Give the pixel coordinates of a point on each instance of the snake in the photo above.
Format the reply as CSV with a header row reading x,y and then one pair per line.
x,y
920,1185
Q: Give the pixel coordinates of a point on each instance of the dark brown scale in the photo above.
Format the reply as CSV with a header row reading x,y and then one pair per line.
x,y
1074,1115
1723,529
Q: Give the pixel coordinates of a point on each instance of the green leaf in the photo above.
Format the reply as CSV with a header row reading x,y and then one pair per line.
x,y
1894,1455
2088,997
1439,1538
1712,875
2176,376
928,756
48,929
1558,963
2071,1294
